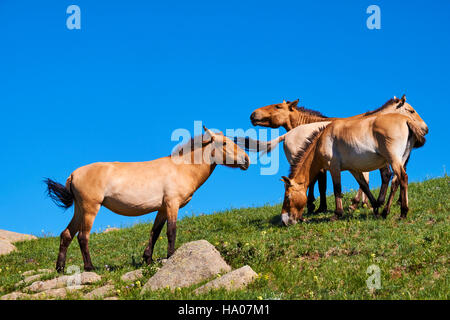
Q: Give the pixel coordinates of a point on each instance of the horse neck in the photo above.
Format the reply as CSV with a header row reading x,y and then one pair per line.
x,y
197,167
310,166
298,118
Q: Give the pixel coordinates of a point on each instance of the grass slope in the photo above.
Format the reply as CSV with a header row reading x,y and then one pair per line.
x,y
317,259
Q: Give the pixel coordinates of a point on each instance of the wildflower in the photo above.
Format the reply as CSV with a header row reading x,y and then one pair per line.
x,y
160,237
260,298
118,291
178,289
263,232
373,255
266,277
316,278
247,244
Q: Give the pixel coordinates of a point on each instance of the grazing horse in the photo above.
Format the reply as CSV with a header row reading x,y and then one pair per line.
x,y
358,145
137,188
292,118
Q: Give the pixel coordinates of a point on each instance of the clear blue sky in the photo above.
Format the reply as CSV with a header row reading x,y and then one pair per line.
x,y
116,89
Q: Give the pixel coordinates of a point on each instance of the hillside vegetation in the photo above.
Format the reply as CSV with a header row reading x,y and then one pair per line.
x,y
317,259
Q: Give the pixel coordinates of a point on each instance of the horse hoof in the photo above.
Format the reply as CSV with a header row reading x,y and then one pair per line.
x,y
311,209
89,268
321,210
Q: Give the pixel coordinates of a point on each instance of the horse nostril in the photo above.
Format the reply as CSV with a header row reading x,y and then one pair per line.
x,y
252,116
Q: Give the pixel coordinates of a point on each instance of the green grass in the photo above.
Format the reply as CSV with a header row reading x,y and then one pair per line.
x,y
317,259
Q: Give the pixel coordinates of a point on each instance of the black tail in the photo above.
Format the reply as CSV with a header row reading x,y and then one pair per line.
x,y
60,195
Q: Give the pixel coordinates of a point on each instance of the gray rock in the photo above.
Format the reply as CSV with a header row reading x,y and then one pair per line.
x,y
191,263
14,296
132,275
233,280
56,293
6,247
29,279
111,298
14,236
100,292
64,281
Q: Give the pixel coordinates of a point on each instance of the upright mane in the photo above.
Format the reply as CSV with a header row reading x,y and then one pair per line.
x,y
192,146
304,151
310,111
384,106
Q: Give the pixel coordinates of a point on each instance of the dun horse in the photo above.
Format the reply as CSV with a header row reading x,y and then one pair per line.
x,y
357,145
134,189
293,118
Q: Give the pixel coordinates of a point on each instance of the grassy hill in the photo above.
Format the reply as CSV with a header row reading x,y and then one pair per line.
x,y
317,259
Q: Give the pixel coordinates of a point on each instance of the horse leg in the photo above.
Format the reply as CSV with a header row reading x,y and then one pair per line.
x,y
386,175
336,177
399,201
310,203
172,214
160,220
387,207
66,238
322,178
356,199
88,217
360,195
359,176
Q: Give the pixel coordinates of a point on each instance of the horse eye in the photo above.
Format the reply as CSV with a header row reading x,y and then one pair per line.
x,y
277,107
412,111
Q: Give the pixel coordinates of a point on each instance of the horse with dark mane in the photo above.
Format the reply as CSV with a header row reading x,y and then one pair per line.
x,y
137,188
357,145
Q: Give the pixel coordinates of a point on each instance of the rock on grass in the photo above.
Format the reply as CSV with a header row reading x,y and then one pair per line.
x,y
192,263
233,280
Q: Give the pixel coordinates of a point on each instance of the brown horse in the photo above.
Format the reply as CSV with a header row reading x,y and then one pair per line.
x,y
357,145
138,188
290,116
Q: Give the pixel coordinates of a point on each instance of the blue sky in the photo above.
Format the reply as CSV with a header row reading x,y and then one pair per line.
x,y
137,70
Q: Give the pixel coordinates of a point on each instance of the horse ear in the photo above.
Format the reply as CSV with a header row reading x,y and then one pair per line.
x,y
402,102
293,105
211,136
286,180
284,101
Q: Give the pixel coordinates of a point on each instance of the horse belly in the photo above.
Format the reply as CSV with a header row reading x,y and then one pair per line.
x,y
133,203
361,159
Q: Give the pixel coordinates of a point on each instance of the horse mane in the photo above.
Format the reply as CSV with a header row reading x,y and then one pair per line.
x,y
384,106
309,111
300,156
178,151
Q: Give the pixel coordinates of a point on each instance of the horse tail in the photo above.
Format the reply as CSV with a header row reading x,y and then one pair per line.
x,y
250,144
61,195
417,132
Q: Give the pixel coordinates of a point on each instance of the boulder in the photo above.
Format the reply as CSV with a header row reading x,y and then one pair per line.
x,y
64,281
6,247
56,293
100,292
132,275
193,262
233,280
14,296
14,236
